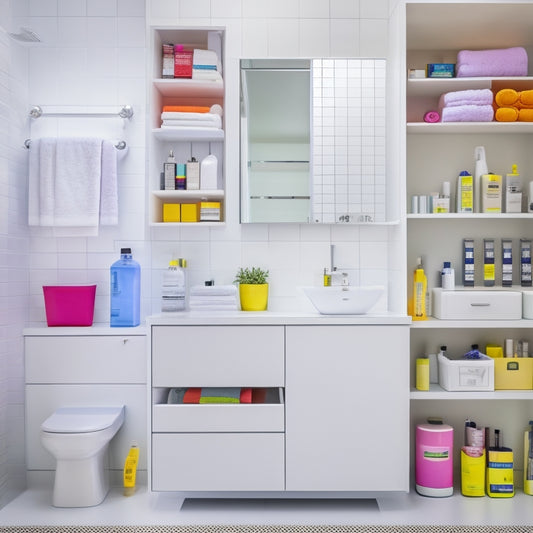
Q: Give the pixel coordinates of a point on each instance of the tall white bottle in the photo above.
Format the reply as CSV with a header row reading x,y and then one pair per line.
x,y
480,169
173,288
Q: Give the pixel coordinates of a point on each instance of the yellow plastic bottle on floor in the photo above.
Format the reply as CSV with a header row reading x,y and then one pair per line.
x,y
130,470
420,284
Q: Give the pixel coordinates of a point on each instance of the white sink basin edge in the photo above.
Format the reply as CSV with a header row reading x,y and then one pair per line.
x,y
344,300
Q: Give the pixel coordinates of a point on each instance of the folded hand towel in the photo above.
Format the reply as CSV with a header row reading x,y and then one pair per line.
x,y
206,75
500,62
211,123
175,395
468,97
204,58
200,117
506,114
214,290
211,395
186,108
220,395
468,113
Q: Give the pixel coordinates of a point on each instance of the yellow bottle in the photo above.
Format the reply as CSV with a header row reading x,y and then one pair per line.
x,y
420,284
130,470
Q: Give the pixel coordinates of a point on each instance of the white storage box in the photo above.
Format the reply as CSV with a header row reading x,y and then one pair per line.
x,y
466,374
477,305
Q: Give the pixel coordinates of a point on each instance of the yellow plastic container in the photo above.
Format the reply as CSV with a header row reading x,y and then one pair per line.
x,y
420,285
499,475
513,373
253,297
422,374
171,212
528,465
130,470
189,213
494,350
472,475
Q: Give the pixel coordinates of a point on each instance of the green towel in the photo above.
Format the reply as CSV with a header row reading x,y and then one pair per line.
x,y
220,395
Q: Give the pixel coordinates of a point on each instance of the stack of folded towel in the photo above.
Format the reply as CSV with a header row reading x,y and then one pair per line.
x,y
473,105
192,117
213,298
205,65
512,106
500,62
210,395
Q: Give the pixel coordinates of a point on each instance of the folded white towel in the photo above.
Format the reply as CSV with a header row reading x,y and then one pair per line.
x,y
206,75
192,123
204,58
180,115
213,290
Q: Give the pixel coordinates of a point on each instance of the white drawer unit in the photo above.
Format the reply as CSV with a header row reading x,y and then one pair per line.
x,y
218,356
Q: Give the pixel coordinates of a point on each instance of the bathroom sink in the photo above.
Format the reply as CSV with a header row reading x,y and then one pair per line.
x,y
344,300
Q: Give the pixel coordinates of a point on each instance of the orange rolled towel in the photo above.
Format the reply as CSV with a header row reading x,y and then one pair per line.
x,y
506,114
525,99
506,97
525,115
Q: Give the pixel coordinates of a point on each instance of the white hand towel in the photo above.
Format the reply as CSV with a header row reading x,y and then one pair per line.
x,y
109,185
33,183
77,181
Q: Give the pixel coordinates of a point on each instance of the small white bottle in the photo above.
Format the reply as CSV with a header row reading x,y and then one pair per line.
x,y
448,277
173,288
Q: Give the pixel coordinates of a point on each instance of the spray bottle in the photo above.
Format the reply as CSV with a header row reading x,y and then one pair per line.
x,y
480,170
419,292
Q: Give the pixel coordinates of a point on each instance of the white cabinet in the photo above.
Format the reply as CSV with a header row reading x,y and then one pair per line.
x,y
347,408
344,425
185,142
439,152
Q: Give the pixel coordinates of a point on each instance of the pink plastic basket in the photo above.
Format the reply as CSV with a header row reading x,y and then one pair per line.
x,y
69,305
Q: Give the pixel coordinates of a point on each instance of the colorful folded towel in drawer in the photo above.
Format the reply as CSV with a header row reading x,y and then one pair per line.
x,y
210,395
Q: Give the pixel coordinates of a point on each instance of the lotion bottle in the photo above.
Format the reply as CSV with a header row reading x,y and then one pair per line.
x,y
130,470
481,169
419,292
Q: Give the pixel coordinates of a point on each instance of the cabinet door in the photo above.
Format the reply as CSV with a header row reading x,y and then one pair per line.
x,y
347,408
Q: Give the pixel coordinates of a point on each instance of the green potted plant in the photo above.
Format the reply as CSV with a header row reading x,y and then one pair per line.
x,y
253,288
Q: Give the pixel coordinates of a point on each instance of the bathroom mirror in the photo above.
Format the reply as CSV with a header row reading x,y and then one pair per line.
x,y
312,140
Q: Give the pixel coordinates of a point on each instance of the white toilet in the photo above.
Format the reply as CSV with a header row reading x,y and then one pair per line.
x,y
78,437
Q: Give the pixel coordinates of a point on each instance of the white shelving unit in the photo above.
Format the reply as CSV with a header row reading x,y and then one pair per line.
x,y
438,152
186,143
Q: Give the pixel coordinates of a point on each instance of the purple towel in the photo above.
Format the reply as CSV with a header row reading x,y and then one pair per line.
x,y
499,62
468,113
468,97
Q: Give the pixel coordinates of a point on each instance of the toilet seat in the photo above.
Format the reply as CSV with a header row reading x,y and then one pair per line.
x,y
83,419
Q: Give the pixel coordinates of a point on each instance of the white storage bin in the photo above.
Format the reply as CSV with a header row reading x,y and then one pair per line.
x,y
477,305
466,374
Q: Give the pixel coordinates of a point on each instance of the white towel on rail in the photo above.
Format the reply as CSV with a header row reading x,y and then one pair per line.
x,y
72,184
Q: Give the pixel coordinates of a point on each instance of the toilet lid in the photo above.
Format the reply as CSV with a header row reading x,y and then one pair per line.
x,y
82,419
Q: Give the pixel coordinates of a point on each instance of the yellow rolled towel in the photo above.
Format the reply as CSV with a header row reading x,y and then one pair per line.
x,y
525,115
506,97
507,114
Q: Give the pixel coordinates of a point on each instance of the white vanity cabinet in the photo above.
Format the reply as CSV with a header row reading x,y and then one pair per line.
x,y
347,408
334,417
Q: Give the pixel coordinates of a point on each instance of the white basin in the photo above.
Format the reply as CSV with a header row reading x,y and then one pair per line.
x,y
339,300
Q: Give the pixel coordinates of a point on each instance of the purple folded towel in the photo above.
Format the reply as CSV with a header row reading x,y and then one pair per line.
x,y
498,62
468,97
468,113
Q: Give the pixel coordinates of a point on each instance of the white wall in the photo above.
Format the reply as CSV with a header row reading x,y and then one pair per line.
x,y
14,248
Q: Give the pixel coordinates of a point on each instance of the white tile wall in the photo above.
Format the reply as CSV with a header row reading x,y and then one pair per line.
x,y
93,55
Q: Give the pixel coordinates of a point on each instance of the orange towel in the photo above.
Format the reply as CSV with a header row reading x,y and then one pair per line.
x,y
526,99
525,115
187,108
506,97
506,114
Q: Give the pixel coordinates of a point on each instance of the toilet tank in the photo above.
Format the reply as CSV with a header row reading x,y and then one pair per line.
x,y
81,366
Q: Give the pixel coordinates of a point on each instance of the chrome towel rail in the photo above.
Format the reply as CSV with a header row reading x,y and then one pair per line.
x,y
125,112
119,145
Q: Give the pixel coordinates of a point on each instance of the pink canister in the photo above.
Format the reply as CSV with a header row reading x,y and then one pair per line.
x,y
434,459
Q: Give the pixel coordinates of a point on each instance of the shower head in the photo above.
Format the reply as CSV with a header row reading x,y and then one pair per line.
x,y
26,35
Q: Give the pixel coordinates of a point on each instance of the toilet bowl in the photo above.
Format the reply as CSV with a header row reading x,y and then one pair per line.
x,y
78,438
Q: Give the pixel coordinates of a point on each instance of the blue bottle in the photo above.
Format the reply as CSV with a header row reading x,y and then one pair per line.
x,y
125,291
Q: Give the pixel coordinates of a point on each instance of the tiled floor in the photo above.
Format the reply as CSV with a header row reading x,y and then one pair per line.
x,y
33,507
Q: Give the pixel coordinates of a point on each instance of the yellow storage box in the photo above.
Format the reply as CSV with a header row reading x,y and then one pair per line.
x,y
171,212
513,373
499,478
189,213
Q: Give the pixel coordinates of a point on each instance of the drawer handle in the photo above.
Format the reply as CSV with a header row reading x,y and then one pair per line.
x,y
480,305
124,341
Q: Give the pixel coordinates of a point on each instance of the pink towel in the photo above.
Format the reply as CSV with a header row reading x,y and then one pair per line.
x,y
468,113
468,97
499,62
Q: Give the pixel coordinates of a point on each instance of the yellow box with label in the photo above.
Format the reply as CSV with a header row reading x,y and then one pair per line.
x,y
189,213
513,373
499,477
171,212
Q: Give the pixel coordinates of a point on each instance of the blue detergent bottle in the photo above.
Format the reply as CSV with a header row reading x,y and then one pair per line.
x,y
125,291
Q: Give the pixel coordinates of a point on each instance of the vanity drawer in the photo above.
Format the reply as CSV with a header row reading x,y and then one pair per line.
x,y
85,359
219,356
222,417
218,461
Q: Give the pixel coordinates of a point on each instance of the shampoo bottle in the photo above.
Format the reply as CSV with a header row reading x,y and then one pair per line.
x,y
419,292
130,470
173,288
125,291
480,170
513,191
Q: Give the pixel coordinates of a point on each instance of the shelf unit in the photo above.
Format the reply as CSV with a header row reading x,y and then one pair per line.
x,y
439,152
185,142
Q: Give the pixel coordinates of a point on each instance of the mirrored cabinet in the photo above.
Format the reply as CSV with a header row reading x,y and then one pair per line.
x,y
313,137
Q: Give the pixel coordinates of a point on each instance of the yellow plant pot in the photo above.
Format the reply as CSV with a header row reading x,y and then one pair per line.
x,y
253,297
